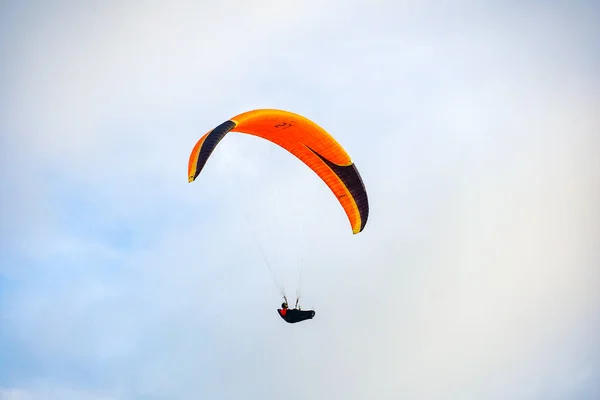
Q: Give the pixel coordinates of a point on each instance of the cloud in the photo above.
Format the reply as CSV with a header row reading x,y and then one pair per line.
x,y
48,393
475,130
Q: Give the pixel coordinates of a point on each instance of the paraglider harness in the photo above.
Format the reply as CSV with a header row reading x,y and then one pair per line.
x,y
295,314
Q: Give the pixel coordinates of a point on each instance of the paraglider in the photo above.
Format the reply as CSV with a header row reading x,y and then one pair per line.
x,y
304,139
312,145
294,315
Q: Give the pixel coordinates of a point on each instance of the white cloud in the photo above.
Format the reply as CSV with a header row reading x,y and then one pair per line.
x,y
49,394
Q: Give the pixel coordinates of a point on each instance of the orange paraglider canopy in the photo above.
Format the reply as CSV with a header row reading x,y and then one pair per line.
x,y
304,139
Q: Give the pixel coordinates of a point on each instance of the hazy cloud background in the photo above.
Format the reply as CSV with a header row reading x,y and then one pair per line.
x,y
475,126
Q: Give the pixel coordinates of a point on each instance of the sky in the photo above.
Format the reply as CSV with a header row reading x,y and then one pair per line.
x,y
474,125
